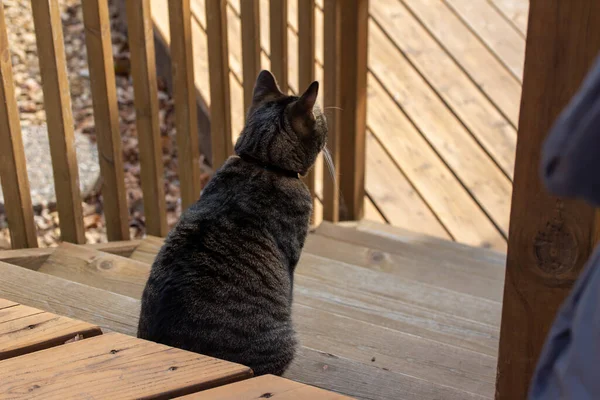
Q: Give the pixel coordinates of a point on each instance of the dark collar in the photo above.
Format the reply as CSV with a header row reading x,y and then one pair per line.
x,y
269,167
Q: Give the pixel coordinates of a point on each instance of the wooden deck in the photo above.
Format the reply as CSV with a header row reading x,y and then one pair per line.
x,y
444,90
380,313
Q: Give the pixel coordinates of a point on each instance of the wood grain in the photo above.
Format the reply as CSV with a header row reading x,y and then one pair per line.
x,y
147,250
278,13
266,386
184,93
250,17
550,238
25,329
106,117
115,365
515,11
59,118
487,184
353,117
143,67
13,171
34,258
102,270
494,132
495,31
218,69
468,51
64,297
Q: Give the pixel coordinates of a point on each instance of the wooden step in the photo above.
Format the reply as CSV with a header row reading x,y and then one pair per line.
x,y
25,329
353,317
114,365
265,387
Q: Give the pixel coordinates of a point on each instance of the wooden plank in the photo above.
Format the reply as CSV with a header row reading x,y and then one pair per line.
x,y
266,386
400,203
218,69
115,365
102,270
34,258
392,314
143,67
306,61
493,131
448,199
458,149
516,11
24,330
550,239
64,297
57,104
147,250
331,106
353,95
13,171
468,275
278,13
467,50
496,32
106,117
184,93
372,213
363,380
395,286
423,359
250,17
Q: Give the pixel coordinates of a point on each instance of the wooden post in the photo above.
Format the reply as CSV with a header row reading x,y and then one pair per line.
x,y
143,67
353,95
13,171
106,117
218,71
306,62
250,47
57,103
550,239
331,82
184,90
278,23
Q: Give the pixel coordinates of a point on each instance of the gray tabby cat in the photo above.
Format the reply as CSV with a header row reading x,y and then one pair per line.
x,y
222,283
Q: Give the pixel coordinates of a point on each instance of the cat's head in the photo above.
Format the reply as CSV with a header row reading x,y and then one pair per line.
x,y
285,131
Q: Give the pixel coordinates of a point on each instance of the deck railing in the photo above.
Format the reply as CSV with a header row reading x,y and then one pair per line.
x,y
344,85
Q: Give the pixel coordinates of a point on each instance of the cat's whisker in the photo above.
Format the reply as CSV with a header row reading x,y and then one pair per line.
x,y
329,162
336,108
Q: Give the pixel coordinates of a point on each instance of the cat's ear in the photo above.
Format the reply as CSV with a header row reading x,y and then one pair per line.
x,y
265,88
306,102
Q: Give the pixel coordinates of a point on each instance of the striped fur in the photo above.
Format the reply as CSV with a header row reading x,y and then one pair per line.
x,y
222,283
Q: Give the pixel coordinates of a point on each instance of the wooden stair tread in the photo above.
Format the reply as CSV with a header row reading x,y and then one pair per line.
x,y
147,250
110,311
266,387
114,365
98,269
25,329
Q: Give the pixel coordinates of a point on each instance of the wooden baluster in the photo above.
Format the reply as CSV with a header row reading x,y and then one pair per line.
x,y
13,171
182,62
143,67
57,103
331,83
550,239
106,116
353,95
218,71
250,47
306,62
278,21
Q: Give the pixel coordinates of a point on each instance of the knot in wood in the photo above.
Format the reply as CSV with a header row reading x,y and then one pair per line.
x,y
376,256
555,249
106,264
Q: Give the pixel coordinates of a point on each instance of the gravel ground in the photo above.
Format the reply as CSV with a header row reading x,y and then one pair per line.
x,y
30,101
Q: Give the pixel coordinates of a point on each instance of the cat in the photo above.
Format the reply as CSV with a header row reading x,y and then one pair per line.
x,y
222,283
